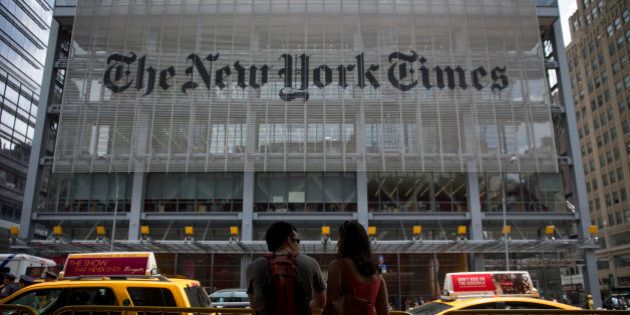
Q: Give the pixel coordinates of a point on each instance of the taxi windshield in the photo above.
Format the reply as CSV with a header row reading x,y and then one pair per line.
x,y
429,308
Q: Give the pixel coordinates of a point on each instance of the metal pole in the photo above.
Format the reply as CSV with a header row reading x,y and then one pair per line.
x,y
503,231
211,271
400,300
111,245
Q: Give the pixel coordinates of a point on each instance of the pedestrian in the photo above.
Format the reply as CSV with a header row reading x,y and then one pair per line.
x,y
50,276
588,304
9,286
285,281
25,281
355,285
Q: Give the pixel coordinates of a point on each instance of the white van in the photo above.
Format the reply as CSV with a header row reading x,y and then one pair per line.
x,y
22,264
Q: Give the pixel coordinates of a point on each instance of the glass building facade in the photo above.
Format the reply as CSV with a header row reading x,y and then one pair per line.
x,y
24,28
215,115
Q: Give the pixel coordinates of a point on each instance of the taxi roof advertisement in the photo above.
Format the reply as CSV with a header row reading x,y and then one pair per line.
x,y
107,264
492,283
474,282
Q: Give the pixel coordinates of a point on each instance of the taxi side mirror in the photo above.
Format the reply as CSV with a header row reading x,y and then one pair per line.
x,y
126,302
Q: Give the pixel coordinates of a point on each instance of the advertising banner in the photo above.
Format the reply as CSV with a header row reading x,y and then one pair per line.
x,y
492,283
106,266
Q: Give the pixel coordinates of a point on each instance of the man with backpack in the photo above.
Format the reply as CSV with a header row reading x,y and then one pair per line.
x,y
285,282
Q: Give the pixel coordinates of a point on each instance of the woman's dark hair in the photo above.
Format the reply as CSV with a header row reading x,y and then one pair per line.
x,y
356,246
277,234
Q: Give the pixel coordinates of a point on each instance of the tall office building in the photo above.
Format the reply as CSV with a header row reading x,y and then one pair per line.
x,y
187,127
600,78
24,28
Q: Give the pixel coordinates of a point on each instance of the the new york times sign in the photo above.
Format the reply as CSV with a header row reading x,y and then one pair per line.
x,y
305,86
405,71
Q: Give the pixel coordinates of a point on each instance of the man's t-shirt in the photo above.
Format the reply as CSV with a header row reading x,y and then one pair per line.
x,y
257,272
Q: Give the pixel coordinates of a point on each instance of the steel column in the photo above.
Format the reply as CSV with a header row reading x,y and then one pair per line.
x,y
476,225
137,203
591,279
247,229
362,198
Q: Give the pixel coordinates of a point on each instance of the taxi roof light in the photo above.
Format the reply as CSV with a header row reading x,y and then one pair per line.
x,y
111,265
487,284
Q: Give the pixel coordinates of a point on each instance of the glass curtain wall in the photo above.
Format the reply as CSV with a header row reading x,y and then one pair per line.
x,y
305,192
523,192
412,192
89,192
194,192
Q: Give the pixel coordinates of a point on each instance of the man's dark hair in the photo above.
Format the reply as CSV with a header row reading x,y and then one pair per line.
x,y
277,234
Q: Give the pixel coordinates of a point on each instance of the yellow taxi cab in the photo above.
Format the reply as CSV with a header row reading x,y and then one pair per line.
x,y
115,279
488,290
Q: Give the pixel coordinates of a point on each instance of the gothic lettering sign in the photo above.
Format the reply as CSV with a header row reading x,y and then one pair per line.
x,y
310,85
118,75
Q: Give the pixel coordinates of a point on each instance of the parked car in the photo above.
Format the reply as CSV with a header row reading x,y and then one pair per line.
x,y
230,298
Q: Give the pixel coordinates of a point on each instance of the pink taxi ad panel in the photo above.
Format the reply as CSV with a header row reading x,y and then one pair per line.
x,y
105,266
473,283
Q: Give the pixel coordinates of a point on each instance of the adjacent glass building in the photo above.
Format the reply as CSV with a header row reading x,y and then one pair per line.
x,y
24,27
436,123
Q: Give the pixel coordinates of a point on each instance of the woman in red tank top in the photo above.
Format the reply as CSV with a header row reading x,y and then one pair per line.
x,y
354,270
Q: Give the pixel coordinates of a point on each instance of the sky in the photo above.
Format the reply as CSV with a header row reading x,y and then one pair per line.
x,y
567,7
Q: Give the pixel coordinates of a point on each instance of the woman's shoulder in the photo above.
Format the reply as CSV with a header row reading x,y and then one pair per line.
x,y
336,262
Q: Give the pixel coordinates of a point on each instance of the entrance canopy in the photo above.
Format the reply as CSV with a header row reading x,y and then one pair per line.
x,y
310,247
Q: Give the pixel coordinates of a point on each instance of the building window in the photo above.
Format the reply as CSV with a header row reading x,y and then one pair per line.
x,y
194,192
595,12
310,192
622,261
620,239
89,192
610,30
618,23
524,192
616,67
612,48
